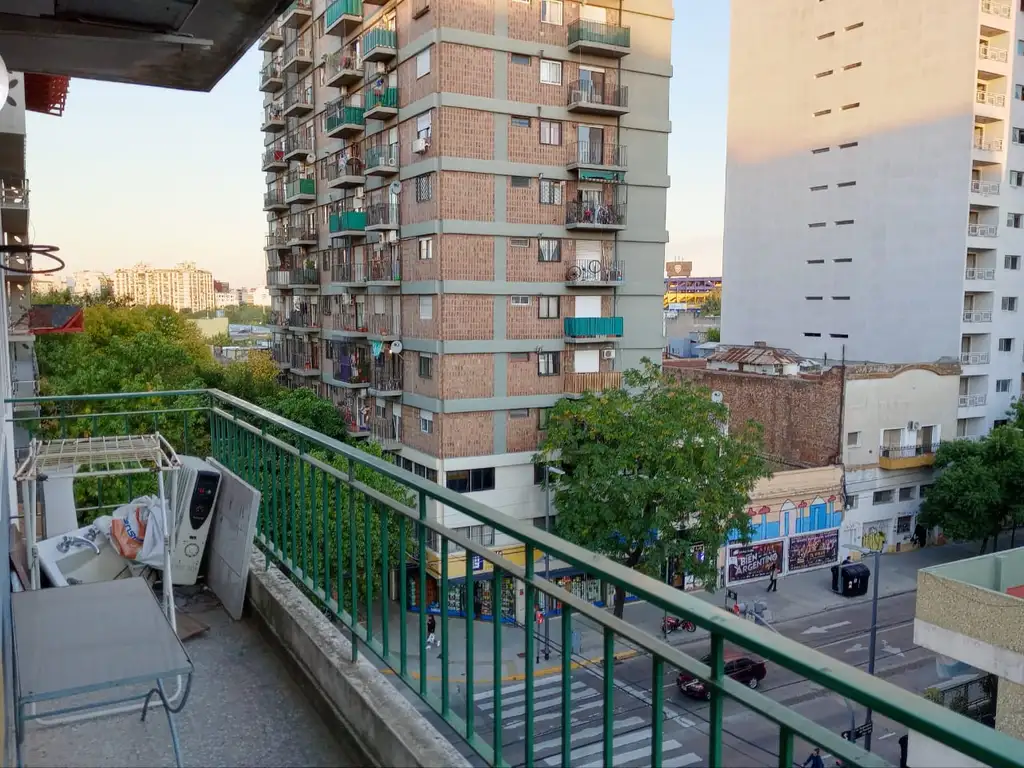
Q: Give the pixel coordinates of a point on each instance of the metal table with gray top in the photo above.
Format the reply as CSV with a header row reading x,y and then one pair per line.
x,y
71,641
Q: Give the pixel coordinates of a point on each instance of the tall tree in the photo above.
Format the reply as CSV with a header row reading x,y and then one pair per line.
x,y
651,471
713,303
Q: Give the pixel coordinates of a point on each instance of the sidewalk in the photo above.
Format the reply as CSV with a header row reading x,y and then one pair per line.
x,y
799,596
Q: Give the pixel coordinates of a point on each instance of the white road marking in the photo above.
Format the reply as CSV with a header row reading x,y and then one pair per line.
x,y
634,754
555,715
644,696
892,649
823,630
585,734
855,648
540,682
682,761
541,694
888,735
597,748
866,633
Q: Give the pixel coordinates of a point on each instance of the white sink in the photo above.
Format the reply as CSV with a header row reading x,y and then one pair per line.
x,y
81,564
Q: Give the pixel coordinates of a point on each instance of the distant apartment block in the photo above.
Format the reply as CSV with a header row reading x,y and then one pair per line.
x,y
873,221
89,282
466,219
184,286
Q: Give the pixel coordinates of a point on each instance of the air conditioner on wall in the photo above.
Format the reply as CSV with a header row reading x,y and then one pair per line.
x,y
608,354
419,146
913,425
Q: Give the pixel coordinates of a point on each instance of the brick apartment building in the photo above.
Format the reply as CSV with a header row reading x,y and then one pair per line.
x,y
466,219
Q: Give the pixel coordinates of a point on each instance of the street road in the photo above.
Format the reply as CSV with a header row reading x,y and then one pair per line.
x,y
749,739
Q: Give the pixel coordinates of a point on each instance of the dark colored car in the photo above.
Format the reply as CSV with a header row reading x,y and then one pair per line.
x,y
742,669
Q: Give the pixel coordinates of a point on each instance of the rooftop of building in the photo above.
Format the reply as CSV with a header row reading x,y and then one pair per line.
x,y
1001,572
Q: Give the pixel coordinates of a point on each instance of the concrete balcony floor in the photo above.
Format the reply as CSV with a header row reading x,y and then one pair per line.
x,y
245,708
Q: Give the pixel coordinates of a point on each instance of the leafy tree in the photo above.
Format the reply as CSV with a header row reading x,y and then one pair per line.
x,y
713,303
979,489
222,339
714,334
304,407
650,473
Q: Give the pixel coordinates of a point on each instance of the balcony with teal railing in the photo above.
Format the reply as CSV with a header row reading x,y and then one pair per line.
x,y
343,16
381,103
300,190
351,223
584,329
380,44
298,14
342,120
358,534
598,39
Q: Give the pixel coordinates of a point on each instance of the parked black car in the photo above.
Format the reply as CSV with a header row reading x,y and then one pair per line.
x,y
742,669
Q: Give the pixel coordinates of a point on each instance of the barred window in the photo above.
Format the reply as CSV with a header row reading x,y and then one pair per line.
x,y
550,192
424,188
550,249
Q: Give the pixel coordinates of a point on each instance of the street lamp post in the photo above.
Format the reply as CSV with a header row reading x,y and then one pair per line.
x,y
548,471
874,628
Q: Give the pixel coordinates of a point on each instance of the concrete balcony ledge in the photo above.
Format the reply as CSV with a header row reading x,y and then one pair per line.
x,y
907,456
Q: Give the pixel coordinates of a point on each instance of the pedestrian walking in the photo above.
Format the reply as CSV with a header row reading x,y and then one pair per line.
x,y
773,579
431,627
814,761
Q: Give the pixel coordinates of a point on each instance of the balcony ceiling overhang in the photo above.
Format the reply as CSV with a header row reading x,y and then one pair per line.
x,y
182,44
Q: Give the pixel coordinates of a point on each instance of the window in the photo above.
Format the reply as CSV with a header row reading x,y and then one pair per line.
x,y
550,249
519,357
1003,385
908,493
426,249
882,497
470,480
520,301
520,122
1000,423
923,490
423,63
520,182
426,307
423,126
538,474
1016,178
519,242
543,418
550,192
551,11
424,188
551,72
548,363
1018,136
1011,262
1020,47
1009,303
426,422
426,366
903,521
548,307
853,439
519,413
1006,345
1015,220
550,132
521,59
851,500
1018,92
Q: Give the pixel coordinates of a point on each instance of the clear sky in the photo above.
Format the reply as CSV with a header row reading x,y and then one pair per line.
x,y
132,174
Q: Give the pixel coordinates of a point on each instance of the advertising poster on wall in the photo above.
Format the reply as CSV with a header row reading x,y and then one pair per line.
x,y
813,550
747,562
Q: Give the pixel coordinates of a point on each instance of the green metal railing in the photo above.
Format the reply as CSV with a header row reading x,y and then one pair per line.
x,y
347,221
343,115
598,32
577,327
379,37
340,8
341,522
387,97
300,187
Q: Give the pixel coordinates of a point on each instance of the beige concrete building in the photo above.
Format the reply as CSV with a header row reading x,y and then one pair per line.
x,y
466,218
971,612
183,286
89,282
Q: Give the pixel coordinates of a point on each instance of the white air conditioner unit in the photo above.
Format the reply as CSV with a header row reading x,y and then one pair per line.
x,y
913,425
392,236
360,191
419,146
608,354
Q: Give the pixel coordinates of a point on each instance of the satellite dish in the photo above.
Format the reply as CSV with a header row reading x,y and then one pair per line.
x,y
396,347
395,188
5,84
310,158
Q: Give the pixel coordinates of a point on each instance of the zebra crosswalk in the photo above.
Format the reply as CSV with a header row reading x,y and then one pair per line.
x,y
631,742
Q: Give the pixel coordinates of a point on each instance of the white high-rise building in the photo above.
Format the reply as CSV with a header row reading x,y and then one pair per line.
x,y
184,286
874,200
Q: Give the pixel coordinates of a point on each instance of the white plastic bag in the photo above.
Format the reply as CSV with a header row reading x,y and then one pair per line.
x,y
136,531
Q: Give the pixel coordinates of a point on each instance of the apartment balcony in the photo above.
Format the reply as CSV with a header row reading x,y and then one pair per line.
x,y
343,68
592,98
342,17
296,58
978,273
274,201
276,319
271,78
381,160
298,102
974,358
598,39
344,172
907,456
381,104
982,230
301,277
298,14
273,120
300,190
303,320
589,330
280,356
985,188
305,364
381,217
996,8
347,223
343,120
272,39
350,321
277,240
273,159
380,44
385,269
595,274
972,401
989,145
386,325
352,375
277,278
386,377
595,217
299,148
977,315
387,432
351,274
576,384
989,106
14,204
597,161
988,52
303,234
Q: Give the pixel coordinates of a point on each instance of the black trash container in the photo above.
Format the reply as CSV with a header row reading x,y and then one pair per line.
x,y
851,579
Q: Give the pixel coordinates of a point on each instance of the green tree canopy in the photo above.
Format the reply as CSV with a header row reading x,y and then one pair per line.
x,y
713,304
650,472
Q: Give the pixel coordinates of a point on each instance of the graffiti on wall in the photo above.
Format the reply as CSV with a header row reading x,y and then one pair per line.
x,y
874,535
